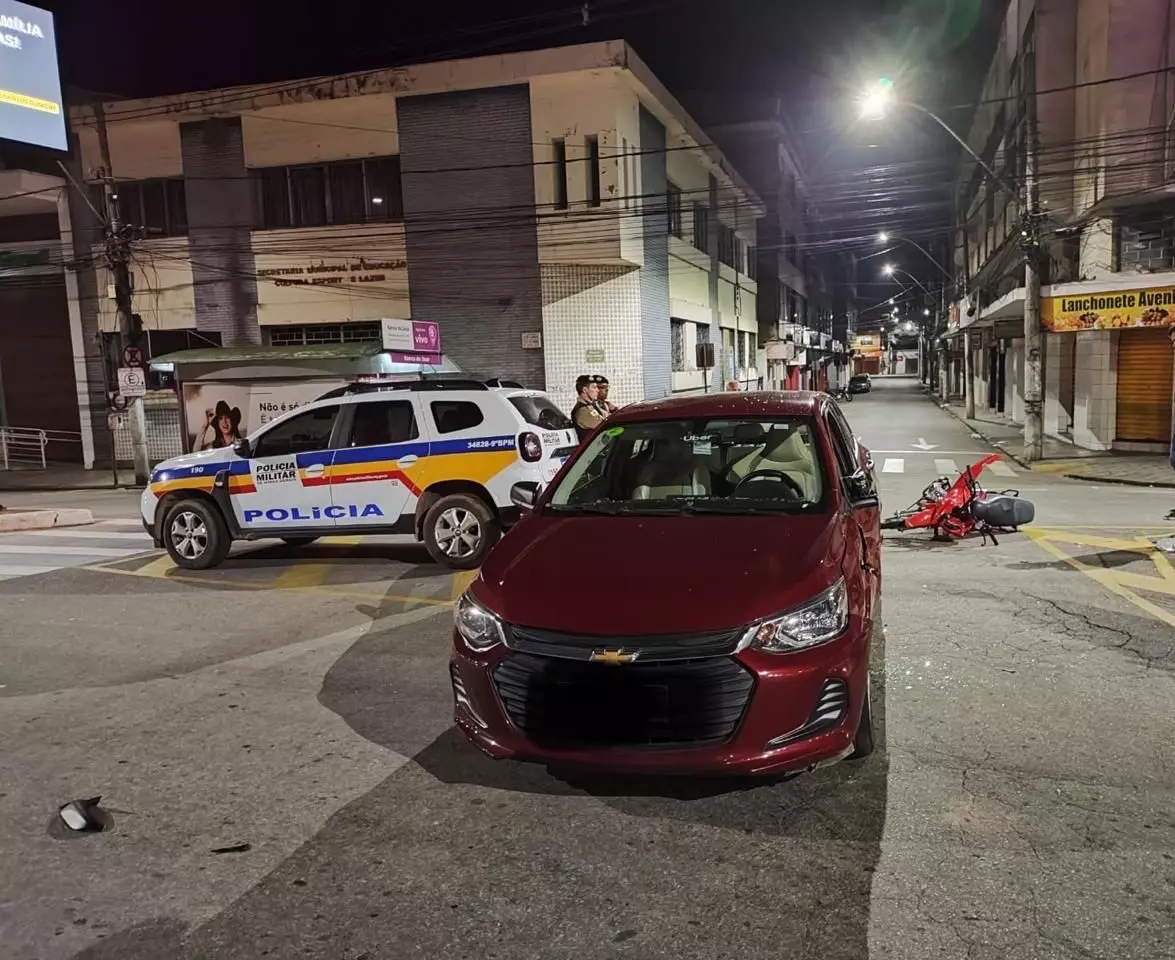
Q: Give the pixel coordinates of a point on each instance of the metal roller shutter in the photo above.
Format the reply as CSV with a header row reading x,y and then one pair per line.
x,y
1145,365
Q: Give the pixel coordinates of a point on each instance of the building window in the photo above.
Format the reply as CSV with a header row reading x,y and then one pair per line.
x,y
318,333
726,246
752,262
743,343
673,206
677,343
624,196
158,206
593,171
349,191
560,168
701,228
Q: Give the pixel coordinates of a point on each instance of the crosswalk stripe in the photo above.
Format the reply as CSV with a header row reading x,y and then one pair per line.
x,y
1001,469
30,550
9,571
893,465
946,467
75,534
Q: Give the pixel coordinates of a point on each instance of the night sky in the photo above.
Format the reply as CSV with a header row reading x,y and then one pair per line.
x,y
717,56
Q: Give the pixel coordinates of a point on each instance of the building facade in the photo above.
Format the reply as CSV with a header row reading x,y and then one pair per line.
x,y
1104,189
807,295
557,212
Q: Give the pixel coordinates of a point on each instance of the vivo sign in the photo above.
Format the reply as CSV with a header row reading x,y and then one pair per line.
x,y
411,336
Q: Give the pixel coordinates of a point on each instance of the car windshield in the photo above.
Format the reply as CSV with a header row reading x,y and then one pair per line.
x,y
541,412
740,466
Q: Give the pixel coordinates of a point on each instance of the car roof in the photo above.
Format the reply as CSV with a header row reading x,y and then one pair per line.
x,y
756,404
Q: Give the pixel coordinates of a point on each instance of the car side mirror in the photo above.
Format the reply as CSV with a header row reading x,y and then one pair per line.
x,y
242,449
524,494
862,493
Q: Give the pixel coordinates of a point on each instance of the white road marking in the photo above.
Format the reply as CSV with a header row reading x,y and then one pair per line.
x,y
973,454
942,465
75,534
10,570
66,551
1001,469
894,466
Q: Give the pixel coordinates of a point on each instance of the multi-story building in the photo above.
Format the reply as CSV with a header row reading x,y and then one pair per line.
x,y
556,212
1103,152
806,304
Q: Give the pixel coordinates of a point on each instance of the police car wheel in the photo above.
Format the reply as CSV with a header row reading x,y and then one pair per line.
x,y
460,530
195,535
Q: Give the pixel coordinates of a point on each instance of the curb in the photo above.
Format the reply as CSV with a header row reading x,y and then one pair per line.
x,y
982,436
15,520
1118,482
64,488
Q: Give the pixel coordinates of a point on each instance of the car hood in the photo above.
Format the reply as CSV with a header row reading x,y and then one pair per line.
x,y
215,455
633,575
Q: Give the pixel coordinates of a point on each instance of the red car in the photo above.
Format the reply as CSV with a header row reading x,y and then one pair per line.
x,y
695,592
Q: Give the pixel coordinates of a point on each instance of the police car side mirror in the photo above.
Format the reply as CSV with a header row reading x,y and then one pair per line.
x,y
524,494
241,448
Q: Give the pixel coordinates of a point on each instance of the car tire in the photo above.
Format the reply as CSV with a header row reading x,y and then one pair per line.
x,y
195,535
298,541
459,531
863,742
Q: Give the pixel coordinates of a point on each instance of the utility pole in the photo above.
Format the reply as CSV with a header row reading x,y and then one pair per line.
x,y
118,260
1030,240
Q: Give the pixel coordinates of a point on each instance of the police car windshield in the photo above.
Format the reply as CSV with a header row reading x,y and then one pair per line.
x,y
697,466
541,412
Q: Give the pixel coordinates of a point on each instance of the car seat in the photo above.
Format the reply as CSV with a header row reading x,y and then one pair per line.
x,y
784,450
673,471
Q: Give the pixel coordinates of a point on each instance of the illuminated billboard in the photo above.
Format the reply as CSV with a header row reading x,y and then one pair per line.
x,y
31,110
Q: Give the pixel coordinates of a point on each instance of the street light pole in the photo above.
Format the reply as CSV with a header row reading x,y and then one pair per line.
x,y
885,238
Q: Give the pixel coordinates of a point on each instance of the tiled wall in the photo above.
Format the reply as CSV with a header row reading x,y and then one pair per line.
x,y
1095,388
1058,374
1014,381
588,309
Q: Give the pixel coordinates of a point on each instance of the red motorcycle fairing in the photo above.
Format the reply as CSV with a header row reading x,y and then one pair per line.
x,y
950,514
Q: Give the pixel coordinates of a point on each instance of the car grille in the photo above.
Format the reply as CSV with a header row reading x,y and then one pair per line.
x,y
559,702
574,646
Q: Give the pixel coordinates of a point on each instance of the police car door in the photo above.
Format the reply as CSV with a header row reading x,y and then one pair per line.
x,y
372,481
289,473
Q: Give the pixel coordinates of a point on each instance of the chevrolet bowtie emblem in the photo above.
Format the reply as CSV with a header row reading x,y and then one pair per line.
x,y
613,657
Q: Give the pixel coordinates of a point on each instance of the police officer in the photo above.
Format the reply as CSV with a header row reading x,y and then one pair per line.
x,y
586,414
606,407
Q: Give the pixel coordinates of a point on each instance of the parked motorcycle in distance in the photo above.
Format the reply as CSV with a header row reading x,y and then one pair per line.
x,y
954,510
842,395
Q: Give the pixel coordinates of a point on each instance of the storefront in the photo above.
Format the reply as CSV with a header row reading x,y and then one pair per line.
x,y
1113,366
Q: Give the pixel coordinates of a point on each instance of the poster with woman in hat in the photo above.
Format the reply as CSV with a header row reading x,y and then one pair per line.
x,y
222,427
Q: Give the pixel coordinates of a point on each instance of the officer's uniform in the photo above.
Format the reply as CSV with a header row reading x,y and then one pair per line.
x,y
586,416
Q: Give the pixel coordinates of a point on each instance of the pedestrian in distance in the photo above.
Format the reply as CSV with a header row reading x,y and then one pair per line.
x,y
733,387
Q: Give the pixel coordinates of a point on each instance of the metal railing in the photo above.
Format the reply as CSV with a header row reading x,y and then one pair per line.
x,y
23,446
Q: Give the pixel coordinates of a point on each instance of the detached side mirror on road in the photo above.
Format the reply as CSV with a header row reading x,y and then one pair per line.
x,y
524,494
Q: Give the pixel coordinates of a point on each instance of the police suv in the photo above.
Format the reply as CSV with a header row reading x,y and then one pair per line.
x,y
433,458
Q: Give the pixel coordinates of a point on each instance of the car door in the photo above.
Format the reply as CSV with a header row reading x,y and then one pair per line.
x,y
850,457
288,484
372,477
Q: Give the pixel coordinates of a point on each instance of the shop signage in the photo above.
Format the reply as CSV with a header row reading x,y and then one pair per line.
x,y
780,350
1148,307
410,336
593,356
867,346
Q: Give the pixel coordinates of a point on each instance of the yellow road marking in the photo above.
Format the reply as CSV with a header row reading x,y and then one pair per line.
x,y
461,581
299,576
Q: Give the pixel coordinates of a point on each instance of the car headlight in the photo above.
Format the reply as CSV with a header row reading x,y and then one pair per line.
x,y
479,628
809,625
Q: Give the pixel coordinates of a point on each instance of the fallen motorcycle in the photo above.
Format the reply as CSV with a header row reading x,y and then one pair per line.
x,y
954,510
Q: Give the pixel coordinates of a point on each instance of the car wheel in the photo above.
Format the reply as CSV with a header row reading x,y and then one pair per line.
x,y
298,541
863,741
195,535
459,531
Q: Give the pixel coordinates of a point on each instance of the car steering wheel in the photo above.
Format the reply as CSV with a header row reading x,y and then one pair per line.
x,y
790,481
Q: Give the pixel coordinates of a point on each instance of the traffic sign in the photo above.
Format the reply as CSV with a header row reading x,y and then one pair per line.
x,y
132,356
132,382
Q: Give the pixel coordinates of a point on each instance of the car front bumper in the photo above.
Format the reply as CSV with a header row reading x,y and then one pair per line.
x,y
775,732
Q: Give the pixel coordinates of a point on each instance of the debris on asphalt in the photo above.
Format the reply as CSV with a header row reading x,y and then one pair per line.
x,y
235,848
83,816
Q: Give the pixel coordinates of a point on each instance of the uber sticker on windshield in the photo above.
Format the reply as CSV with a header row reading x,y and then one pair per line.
x,y
284,471
703,445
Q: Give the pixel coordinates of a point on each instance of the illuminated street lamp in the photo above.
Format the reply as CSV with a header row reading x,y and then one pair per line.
x,y
877,99
884,238
926,312
888,269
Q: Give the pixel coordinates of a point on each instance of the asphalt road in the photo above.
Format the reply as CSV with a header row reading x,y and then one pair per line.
x,y
1021,804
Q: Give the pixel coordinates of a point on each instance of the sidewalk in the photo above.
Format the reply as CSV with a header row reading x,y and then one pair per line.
x,y
63,476
1132,469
